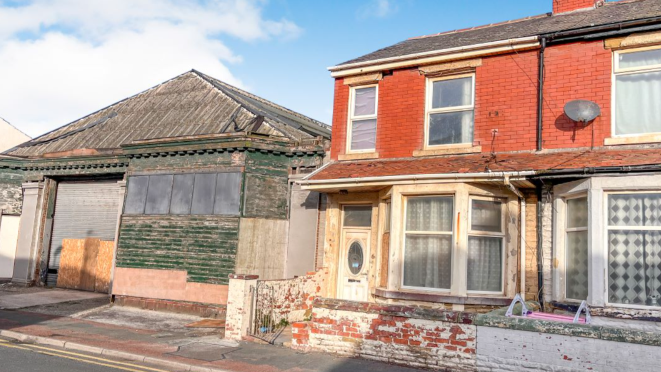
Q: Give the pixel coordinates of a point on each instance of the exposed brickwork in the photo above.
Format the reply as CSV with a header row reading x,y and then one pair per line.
x,y
576,71
180,307
340,112
293,298
391,334
400,119
506,101
561,6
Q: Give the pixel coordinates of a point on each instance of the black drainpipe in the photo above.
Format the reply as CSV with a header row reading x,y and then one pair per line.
x,y
540,95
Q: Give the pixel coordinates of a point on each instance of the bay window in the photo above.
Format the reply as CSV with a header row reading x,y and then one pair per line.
x,y
637,92
361,131
450,108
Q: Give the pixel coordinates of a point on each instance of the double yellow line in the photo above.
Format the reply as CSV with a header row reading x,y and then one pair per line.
x,y
80,357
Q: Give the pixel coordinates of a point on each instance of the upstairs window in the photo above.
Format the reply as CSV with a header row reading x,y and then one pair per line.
x,y
361,132
184,194
637,92
450,107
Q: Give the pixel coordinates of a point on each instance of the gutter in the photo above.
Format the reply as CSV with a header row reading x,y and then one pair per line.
x,y
415,177
597,32
433,56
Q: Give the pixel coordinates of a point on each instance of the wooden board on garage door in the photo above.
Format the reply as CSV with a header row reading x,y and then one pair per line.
x,y
86,209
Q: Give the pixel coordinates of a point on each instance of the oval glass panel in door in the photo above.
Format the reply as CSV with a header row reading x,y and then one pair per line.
x,y
355,258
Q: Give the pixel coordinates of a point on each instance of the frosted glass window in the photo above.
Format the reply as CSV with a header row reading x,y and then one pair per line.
x,y
136,195
358,216
576,243
204,192
428,242
450,110
485,246
638,93
158,194
634,249
362,119
182,194
227,194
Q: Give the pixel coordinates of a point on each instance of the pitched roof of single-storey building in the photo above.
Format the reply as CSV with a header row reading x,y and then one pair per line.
x,y
608,13
188,105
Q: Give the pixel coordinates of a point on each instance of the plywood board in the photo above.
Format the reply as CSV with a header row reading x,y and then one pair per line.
x,y
87,275
71,263
104,266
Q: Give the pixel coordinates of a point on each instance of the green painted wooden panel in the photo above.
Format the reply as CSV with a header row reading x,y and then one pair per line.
x,y
204,246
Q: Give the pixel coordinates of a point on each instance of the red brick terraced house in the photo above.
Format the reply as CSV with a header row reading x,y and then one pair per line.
x,y
458,180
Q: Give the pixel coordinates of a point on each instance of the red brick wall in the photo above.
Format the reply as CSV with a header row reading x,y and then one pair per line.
x,y
576,71
340,112
506,99
395,334
561,6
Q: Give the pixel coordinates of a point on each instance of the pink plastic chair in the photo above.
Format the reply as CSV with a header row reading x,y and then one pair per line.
x,y
525,313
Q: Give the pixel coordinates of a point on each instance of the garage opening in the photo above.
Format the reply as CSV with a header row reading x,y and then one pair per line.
x,y
83,210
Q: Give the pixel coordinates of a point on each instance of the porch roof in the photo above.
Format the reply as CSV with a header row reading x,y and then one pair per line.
x,y
517,163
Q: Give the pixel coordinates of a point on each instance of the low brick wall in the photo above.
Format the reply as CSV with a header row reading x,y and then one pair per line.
x,y
404,335
460,341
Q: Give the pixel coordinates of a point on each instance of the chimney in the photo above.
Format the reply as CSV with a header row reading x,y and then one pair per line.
x,y
562,6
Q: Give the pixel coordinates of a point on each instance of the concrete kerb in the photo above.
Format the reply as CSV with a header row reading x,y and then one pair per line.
x,y
30,339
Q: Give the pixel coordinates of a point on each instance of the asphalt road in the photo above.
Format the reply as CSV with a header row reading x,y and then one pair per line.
x,y
19,357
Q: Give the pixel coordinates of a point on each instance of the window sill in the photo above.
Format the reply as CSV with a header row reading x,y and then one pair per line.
x,y
454,150
647,138
441,298
358,156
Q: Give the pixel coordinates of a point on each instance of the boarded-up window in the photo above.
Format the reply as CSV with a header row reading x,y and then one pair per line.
x,y
137,195
183,194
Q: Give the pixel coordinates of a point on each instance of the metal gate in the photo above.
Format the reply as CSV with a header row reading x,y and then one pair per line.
x,y
268,320
82,210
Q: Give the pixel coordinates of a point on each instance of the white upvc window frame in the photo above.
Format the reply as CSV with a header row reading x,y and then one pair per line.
x,y
439,233
597,189
617,71
490,234
352,117
429,94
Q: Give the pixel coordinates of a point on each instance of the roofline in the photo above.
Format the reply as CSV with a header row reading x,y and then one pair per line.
x,y
434,56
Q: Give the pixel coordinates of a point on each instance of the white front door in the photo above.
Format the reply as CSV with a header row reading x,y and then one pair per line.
x,y
8,241
354,253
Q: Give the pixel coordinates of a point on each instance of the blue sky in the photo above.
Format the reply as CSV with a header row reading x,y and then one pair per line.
x,y
64,59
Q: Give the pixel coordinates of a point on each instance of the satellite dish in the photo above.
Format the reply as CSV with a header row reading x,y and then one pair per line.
x,y
582,111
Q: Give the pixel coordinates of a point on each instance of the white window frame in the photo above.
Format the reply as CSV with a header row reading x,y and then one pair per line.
x,y
352,117
607,228
567,230
617,71
439,233
490,234
429,110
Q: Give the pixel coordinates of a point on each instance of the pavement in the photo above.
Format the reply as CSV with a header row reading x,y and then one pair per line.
x,y
92,325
